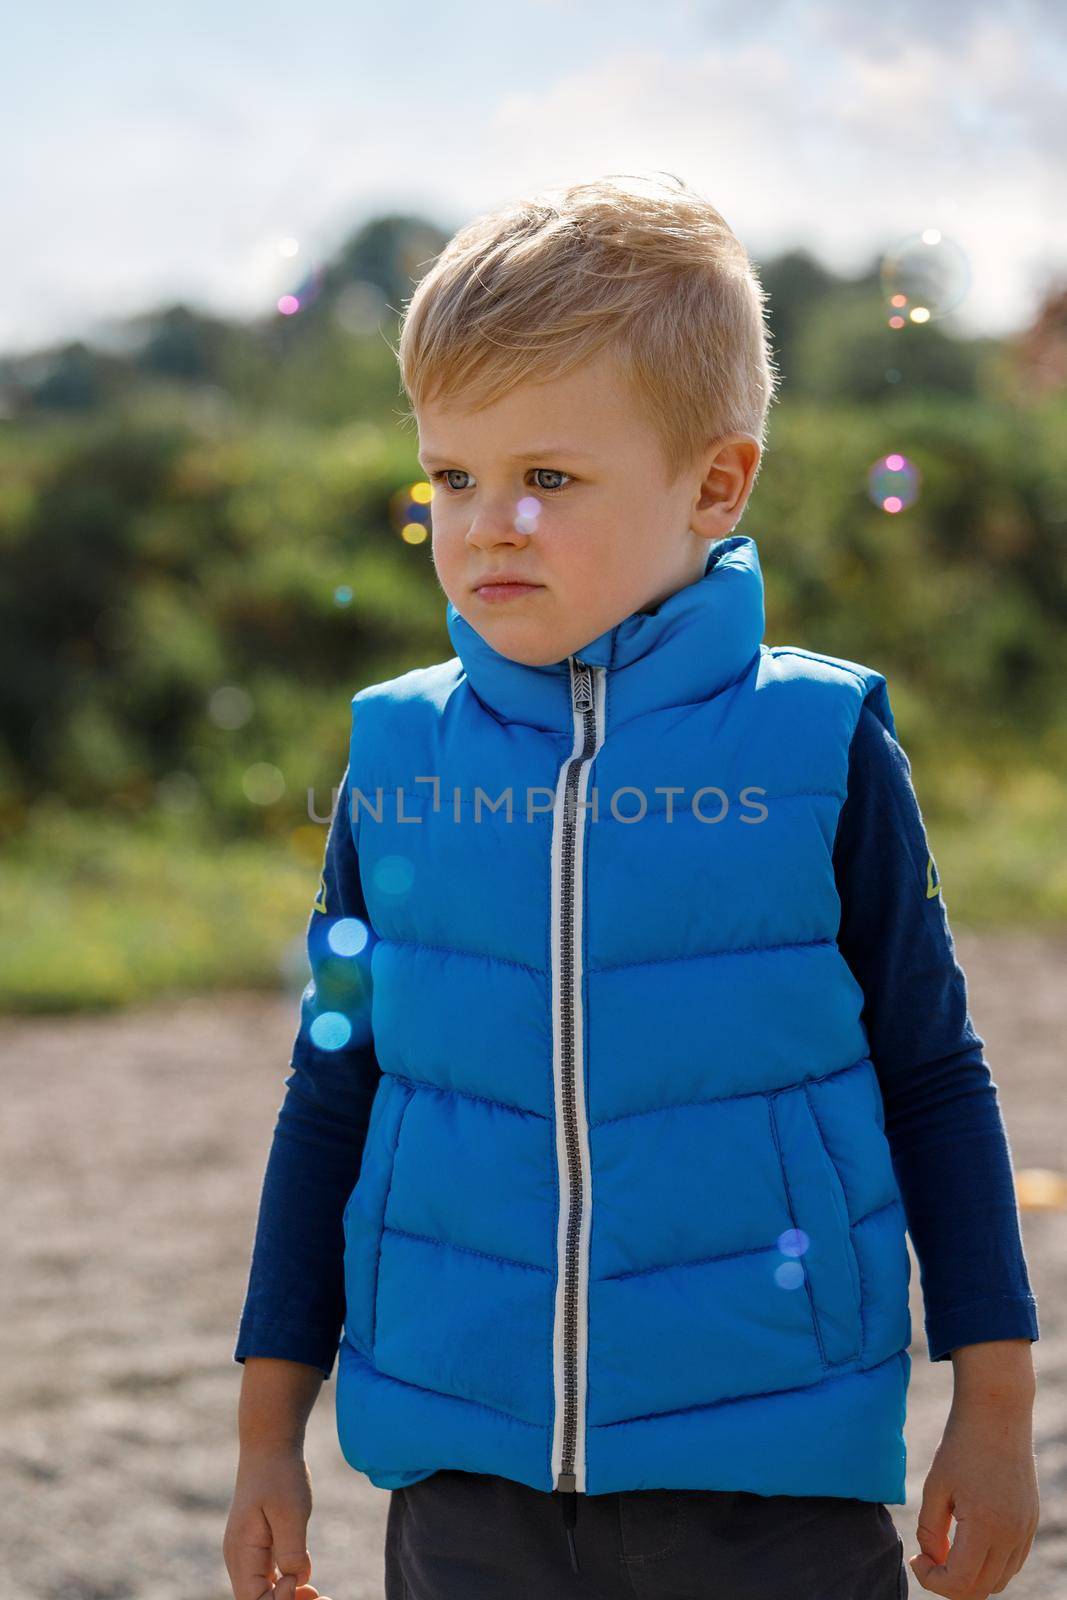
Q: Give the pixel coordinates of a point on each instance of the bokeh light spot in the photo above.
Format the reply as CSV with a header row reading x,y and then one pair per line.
x,y
263,783
330,1031
348,936
789,1275
229,706
394,875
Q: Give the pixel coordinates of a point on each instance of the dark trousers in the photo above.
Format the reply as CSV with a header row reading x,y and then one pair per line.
x,y
474,1536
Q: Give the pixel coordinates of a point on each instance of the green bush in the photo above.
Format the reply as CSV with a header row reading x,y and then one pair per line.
x,y
177,648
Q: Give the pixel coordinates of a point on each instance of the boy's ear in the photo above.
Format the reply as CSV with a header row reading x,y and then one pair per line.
x,y
728,472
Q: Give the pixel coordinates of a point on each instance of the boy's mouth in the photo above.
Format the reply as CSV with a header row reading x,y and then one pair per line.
x,y
504,588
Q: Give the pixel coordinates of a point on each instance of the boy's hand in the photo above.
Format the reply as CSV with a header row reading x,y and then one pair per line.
x,y
984,1475
265,1543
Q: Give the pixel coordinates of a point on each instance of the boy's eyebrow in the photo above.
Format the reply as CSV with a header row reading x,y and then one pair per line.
x,y
427,458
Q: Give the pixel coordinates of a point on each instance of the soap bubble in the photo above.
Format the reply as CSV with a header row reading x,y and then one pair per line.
x,y
923,278
893,483
409,511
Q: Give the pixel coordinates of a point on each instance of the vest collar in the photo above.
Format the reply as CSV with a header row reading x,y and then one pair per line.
x,y
692,645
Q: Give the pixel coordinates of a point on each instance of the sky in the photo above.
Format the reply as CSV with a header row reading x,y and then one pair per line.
x,y
153,153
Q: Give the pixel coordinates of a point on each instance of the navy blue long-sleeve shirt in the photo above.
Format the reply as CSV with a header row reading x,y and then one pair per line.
x,y
943,1121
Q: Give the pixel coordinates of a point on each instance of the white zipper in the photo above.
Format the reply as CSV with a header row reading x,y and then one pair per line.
x,y
571,1320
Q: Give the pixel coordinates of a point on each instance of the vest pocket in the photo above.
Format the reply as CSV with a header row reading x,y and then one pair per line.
x,y
364,1214
819,1210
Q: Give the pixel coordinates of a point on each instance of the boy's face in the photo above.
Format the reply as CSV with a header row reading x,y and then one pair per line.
x,y
564,485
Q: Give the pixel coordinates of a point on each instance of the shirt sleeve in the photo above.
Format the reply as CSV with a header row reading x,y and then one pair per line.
x,y
295,1303
943,1120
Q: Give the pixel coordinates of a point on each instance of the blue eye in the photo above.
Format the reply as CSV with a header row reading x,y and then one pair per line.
x,y
553,473
446,473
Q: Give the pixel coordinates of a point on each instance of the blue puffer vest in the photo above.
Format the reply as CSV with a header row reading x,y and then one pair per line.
x,y
627,1216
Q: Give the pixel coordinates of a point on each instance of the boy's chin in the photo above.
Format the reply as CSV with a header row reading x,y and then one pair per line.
x,y
528,653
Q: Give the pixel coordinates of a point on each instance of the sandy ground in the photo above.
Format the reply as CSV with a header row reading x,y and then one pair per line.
x,y
132,1151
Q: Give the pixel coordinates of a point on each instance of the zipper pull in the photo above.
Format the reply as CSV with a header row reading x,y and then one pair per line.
x,y
569,1504
582,686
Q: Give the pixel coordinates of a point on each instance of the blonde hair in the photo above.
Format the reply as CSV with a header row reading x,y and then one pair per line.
x,y
530,292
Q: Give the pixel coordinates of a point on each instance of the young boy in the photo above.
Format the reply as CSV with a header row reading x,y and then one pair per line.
x,y
635,1037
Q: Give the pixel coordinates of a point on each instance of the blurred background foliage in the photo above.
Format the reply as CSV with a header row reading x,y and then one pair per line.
x,y
202,562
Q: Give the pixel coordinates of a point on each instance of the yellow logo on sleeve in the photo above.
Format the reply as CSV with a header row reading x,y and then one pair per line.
x,y
933,882
320,903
